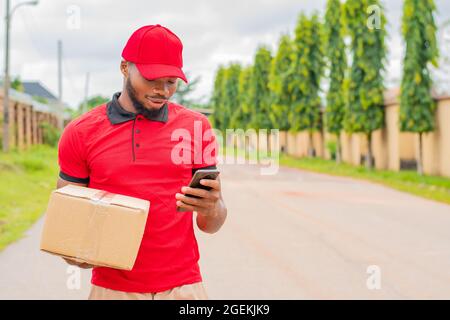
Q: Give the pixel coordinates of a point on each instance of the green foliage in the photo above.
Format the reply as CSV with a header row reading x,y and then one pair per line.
x,y
17,85
365,108
31,164
200,105
40,99
337,60
50,134
71,112
332,148
26,179
231,101
430,187
417,107
242,115
307,70
259,89
217,100
279,83
92,102
181,96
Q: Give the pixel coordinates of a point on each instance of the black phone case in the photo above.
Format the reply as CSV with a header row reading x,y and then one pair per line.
x,y
196,184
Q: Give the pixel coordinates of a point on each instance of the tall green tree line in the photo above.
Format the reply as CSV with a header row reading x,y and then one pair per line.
x,y
307,74
335,51
417,107
365,107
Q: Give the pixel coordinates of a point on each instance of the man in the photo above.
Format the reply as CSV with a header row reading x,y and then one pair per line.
x,y
127,146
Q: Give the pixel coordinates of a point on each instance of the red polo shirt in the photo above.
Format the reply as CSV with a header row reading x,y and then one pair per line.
x,y
114,150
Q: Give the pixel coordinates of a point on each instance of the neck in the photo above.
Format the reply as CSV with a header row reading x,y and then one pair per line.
x,y
125,102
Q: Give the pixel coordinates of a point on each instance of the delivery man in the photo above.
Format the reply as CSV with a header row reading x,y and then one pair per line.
x,y
130,146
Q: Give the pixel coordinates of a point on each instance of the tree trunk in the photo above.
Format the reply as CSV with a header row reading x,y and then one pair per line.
x,y
310,146
324,147
338,150
246,147
369,152
286,133
420,160
269,144
257,146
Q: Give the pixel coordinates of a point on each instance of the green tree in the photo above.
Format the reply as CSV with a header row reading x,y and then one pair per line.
x,y
260,97
17,85
307,73
231,91
280,84
242,115
259,89
50,134
365,109
217,100
337,63
417,107
91,103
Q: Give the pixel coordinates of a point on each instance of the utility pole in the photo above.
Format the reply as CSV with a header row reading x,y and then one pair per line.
x,y
6,83
6,80
60,86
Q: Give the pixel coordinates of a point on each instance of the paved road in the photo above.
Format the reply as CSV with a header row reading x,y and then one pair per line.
x,y
295,235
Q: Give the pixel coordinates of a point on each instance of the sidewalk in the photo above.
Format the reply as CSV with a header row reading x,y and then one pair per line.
x,y
24,271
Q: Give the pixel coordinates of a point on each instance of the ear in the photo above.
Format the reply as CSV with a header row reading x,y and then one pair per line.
x,y
124,68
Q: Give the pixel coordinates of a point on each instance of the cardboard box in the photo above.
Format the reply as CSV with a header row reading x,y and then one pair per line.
x,y
94,226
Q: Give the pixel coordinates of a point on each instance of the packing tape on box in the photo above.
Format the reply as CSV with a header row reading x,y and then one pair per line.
x,y
91,241
102,196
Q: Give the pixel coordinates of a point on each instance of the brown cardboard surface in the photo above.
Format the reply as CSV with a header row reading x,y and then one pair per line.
x,y
94,226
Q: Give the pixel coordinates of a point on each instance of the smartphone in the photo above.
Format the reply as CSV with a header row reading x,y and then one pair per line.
x,y
195,181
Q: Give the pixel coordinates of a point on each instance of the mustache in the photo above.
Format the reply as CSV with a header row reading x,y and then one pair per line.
x,y
158,97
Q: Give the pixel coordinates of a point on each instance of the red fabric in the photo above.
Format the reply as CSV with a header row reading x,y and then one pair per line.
x,y
156,51
91,146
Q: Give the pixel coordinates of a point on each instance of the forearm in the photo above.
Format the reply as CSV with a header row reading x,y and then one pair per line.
x,y
213,223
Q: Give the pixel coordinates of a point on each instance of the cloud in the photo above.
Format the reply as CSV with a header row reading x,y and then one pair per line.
x,y
213,33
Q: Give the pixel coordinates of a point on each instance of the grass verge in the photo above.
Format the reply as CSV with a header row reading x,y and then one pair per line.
x,y
429,187
26,180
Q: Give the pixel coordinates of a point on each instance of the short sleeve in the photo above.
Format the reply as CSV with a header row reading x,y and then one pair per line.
x,y
71,156
205,147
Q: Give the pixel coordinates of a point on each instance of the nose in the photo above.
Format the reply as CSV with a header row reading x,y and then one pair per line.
x,y
161,89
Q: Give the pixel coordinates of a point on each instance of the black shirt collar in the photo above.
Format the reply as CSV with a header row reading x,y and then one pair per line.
x,y
116,114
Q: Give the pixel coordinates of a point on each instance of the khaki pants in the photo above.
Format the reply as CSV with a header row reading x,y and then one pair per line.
x,y
194,291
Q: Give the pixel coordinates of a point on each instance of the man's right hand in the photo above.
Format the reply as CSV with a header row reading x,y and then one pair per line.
x,y
82,265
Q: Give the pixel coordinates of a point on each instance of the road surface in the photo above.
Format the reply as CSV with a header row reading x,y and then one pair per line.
x,y
294,235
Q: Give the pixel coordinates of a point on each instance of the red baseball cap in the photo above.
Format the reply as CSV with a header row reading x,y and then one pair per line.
x,y
156,51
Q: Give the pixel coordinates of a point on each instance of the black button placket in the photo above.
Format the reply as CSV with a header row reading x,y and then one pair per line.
x,y
135,140
117,115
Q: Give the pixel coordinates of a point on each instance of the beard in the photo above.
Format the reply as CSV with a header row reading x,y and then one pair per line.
x,y
138,105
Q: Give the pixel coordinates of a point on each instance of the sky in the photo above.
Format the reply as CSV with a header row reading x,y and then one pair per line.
x,y
213,32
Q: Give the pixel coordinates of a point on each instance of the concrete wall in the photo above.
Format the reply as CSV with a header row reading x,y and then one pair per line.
x,y
436,145
390,146
404,146
399,145
443,115
296,143
379,148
